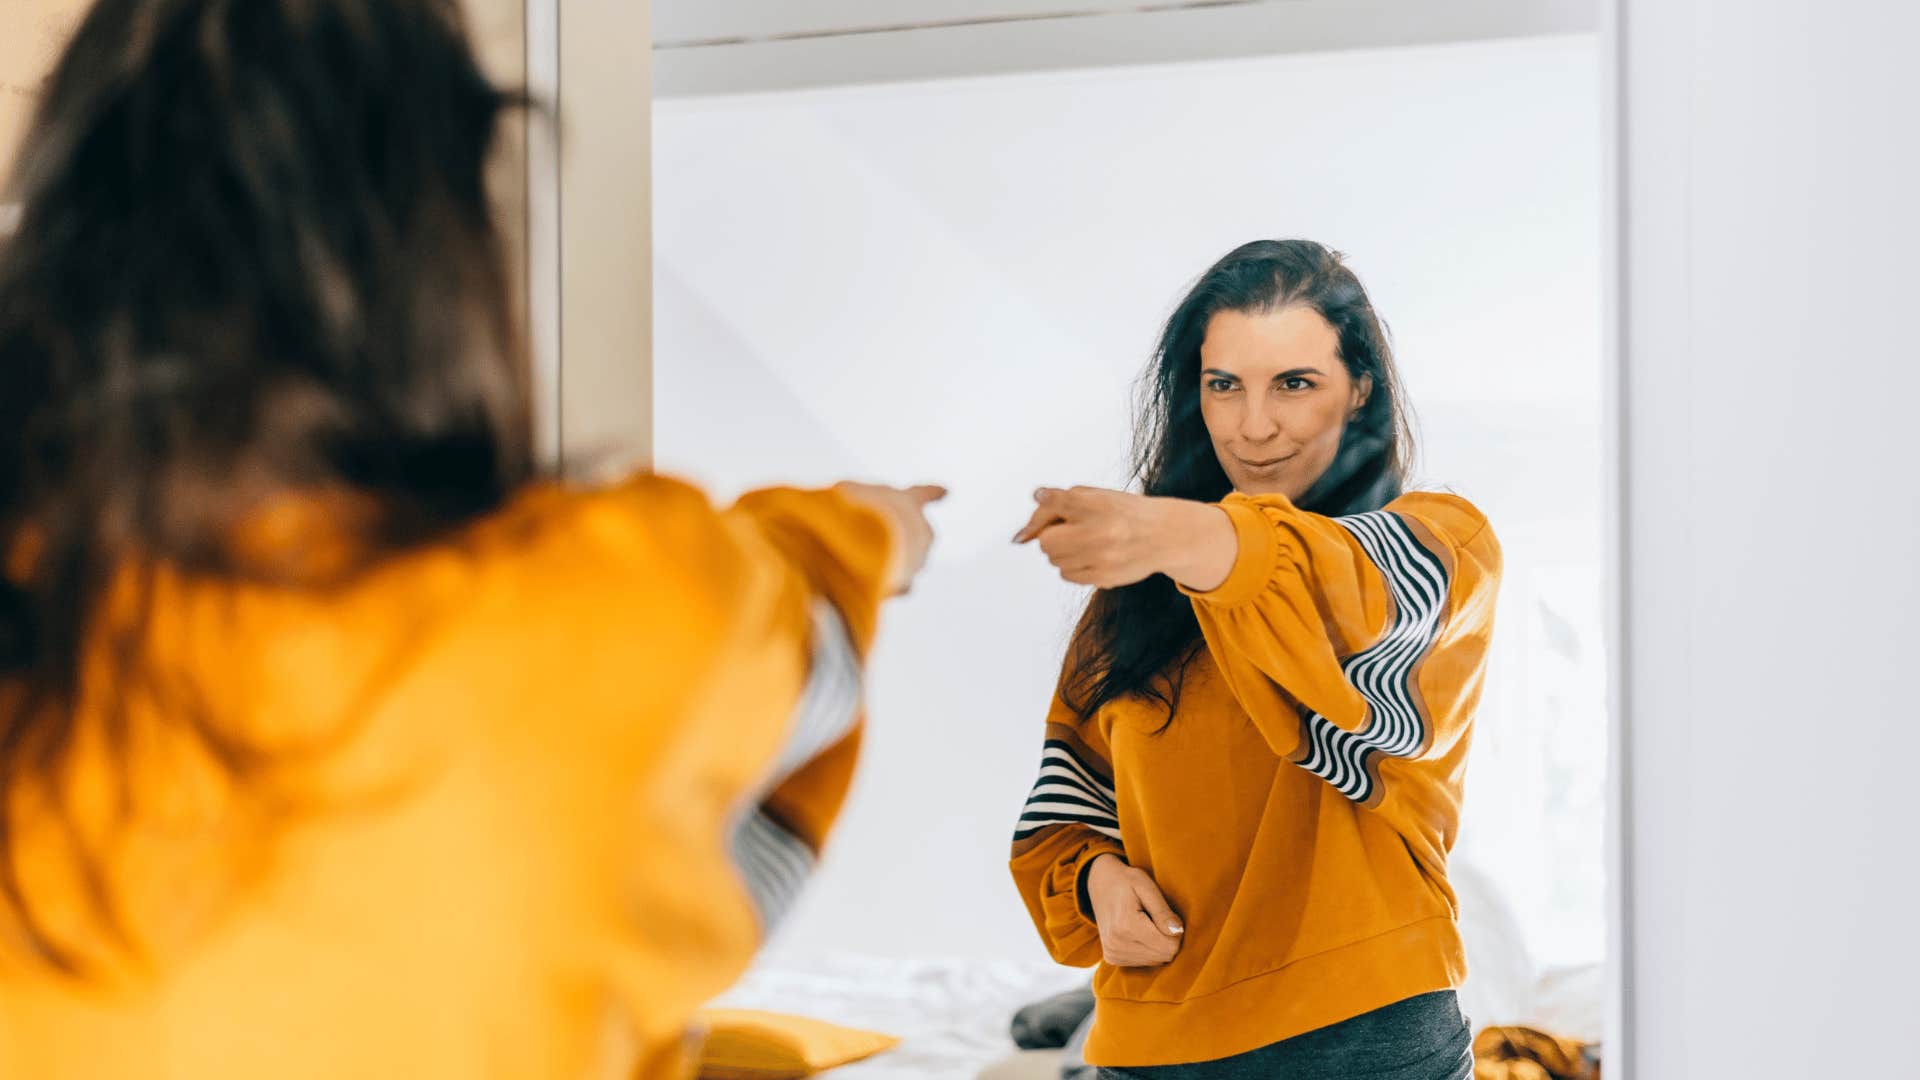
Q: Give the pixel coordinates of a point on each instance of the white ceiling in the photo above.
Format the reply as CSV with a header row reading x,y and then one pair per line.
x,y
677,23
729,46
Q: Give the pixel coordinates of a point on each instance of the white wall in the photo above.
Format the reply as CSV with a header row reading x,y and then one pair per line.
x,y
1770,176
958,281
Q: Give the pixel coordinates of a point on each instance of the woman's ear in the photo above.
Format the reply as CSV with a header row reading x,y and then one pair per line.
x,y
1362,393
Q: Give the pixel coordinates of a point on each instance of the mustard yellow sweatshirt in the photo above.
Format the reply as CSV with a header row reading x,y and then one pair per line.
x,y
526,799
1299,810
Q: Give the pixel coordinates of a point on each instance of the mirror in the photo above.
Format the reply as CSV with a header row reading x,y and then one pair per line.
x,y
959,279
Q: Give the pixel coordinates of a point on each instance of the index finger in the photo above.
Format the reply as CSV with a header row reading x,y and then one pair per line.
x,y
1038,523
1164,920
1138,930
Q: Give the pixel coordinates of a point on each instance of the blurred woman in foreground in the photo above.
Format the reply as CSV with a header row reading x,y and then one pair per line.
x,y
335,741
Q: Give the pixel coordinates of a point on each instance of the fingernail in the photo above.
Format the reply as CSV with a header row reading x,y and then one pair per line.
x,y
1175,928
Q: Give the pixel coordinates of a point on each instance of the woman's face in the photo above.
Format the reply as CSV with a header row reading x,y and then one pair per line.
x,y
1276,397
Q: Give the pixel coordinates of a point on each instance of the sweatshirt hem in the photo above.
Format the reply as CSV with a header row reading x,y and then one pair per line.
x,y
1308,994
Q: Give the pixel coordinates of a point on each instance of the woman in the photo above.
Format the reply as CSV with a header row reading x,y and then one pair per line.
x,y
334,742
1252,769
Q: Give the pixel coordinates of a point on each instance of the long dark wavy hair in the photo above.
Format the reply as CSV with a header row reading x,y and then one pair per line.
x,y
256,255
1135,641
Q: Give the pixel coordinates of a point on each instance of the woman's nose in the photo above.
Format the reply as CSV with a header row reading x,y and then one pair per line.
x,y
1258,424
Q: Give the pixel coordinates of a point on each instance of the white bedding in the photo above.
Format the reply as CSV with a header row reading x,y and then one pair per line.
x,y
951,1013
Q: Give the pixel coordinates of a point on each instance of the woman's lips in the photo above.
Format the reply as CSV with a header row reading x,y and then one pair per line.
x,y
1267,464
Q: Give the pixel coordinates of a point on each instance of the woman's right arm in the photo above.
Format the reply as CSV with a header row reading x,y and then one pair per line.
x,y
848,571
704,711
1070,865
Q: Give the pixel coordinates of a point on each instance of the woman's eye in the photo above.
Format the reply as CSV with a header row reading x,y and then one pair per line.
x,y
1219,386
1297,383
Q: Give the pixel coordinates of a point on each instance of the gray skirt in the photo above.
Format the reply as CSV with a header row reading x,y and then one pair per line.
x,y
1421,1038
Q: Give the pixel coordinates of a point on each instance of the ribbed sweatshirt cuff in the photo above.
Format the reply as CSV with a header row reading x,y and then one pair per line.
x,y
1253,565
1064,901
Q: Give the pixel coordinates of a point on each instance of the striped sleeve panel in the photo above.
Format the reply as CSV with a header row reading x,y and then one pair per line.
x,y
1074,788
1396,725
773,860
830,702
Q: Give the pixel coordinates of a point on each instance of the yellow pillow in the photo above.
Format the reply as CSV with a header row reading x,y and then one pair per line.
x,y
746,1044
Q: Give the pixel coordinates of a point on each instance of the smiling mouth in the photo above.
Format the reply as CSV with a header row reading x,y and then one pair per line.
x,y
1263,464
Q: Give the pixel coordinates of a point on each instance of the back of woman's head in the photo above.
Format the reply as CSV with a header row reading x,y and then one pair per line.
x,y
255,257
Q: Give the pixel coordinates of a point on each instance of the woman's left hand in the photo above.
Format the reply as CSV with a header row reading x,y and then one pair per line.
x,y
1105,538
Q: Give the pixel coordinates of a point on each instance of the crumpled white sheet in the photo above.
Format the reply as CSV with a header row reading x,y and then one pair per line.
x,y
1505,984
951,1013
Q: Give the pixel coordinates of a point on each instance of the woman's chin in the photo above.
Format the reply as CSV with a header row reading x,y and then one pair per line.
x,y
1259,485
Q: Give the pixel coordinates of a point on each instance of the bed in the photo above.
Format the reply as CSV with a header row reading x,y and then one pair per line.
x,y
952,1014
